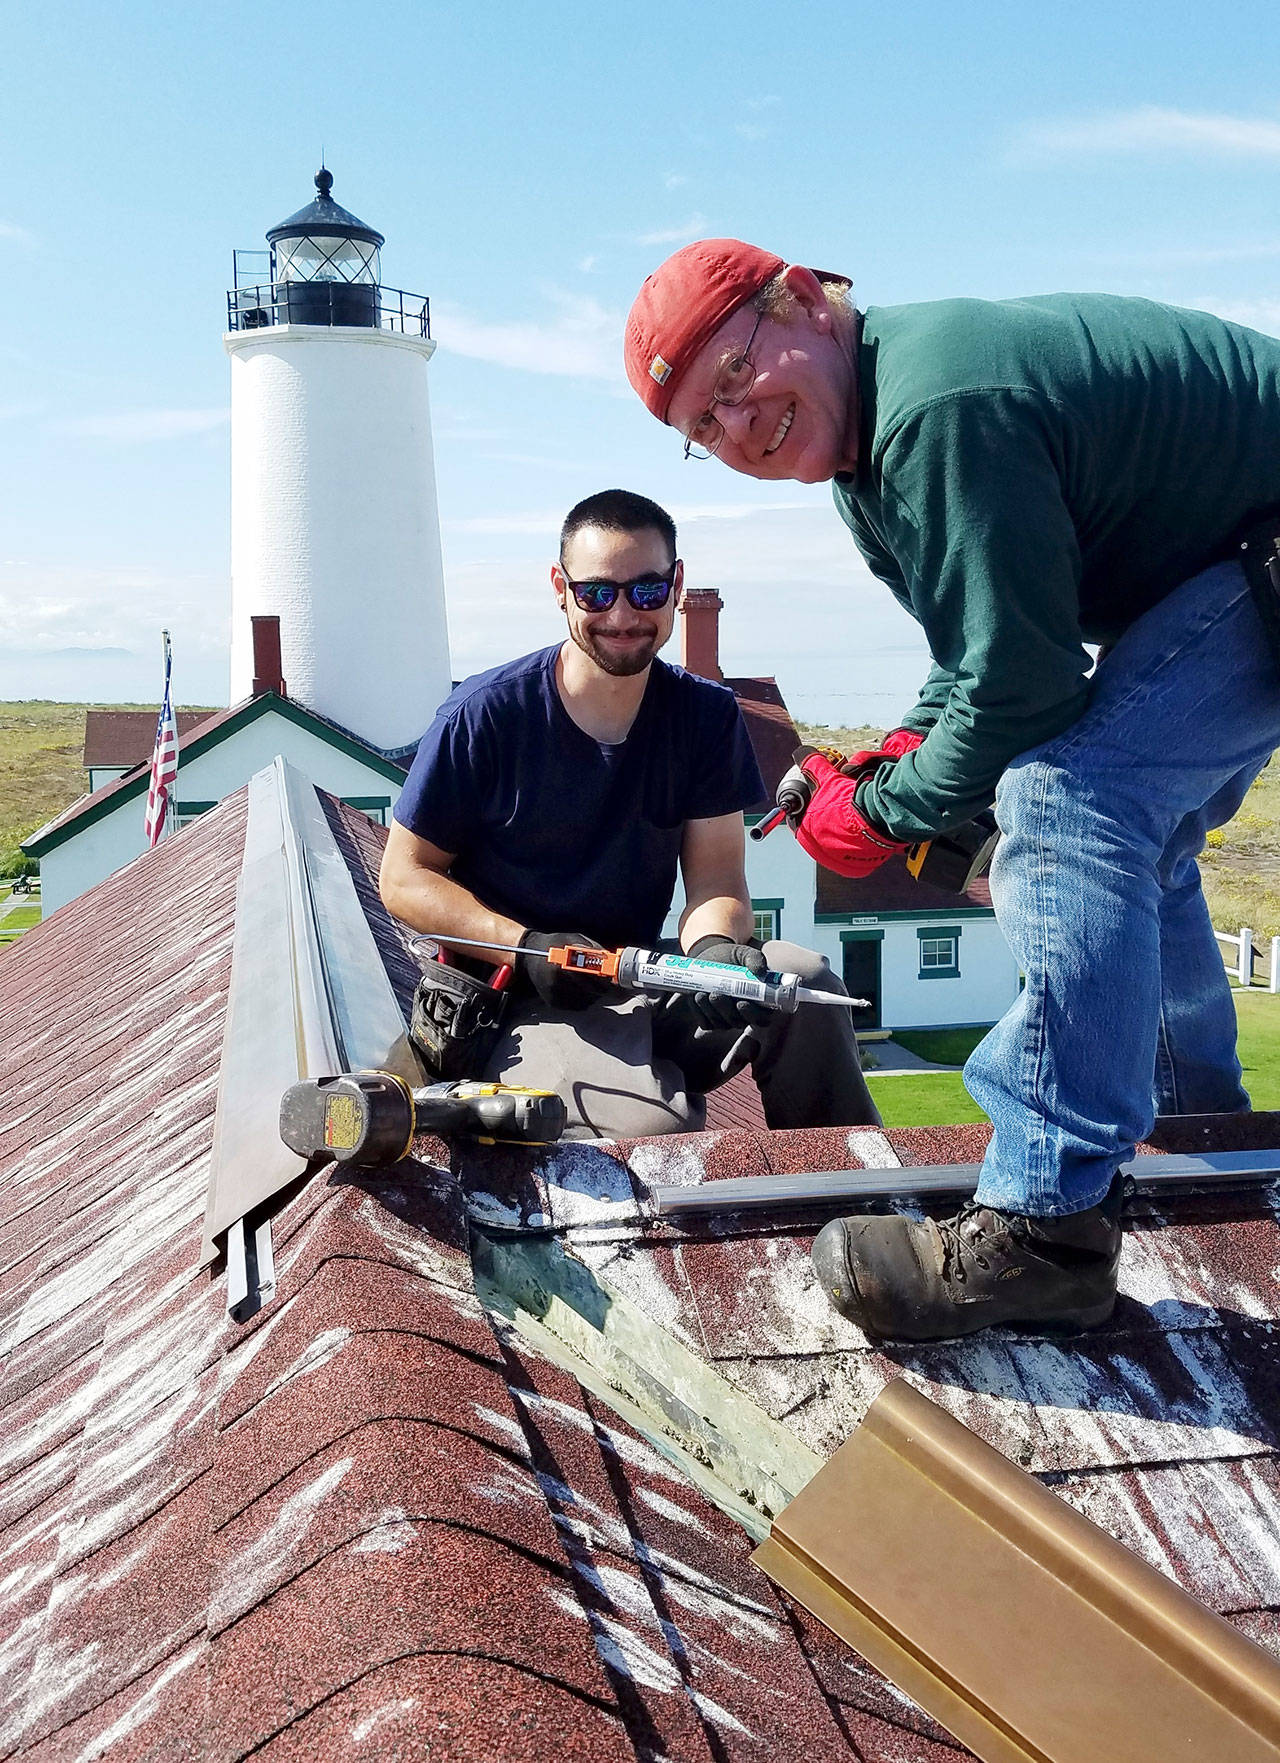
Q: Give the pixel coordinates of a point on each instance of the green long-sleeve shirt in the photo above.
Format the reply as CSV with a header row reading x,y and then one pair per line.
x,y
1035,474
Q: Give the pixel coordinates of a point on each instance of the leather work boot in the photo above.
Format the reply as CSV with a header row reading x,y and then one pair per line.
x,y
924,1280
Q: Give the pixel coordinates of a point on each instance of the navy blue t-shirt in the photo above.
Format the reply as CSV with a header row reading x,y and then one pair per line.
x,y
558,830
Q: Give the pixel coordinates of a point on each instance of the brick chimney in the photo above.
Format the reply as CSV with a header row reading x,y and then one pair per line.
x,y
700,636
266,656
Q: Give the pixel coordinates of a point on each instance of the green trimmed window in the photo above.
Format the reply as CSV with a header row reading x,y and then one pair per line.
x,y
768,917
939,951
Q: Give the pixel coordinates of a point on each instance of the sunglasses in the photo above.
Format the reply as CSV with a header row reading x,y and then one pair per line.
x,y
646,594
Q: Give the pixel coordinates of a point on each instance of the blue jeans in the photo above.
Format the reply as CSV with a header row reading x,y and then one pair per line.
x,y
1127,1012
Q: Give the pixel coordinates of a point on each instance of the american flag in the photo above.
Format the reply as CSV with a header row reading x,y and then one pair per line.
x,y
164,761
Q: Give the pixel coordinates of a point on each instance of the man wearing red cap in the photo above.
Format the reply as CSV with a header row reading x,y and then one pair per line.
x,y
1025,476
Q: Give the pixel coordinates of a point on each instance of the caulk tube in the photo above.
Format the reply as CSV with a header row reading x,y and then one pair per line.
x,y
644,970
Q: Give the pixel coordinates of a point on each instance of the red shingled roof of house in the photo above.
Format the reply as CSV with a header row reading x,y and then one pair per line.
x,y
773,734
126,737
373,1522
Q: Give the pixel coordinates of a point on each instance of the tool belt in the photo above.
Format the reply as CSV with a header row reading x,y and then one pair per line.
x,y
456,1021
1257,549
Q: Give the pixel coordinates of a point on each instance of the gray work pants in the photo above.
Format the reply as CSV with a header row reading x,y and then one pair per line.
x,y
630,1066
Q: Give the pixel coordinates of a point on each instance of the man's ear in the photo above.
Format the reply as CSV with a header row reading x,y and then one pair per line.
x,y
807,292
559,586
677,583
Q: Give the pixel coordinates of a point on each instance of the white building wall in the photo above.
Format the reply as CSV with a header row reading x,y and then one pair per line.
x,y
777,869
334,524
108,844
987,984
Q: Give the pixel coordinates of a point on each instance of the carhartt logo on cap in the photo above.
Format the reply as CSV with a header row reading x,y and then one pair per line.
x,y
659,370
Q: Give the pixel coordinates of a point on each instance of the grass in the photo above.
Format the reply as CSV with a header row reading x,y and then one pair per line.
x,y
939,1098
41,744
1258,1014
926,1098
41,747
940,1046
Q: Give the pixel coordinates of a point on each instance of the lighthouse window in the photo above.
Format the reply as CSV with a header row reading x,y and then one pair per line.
x,y
303,258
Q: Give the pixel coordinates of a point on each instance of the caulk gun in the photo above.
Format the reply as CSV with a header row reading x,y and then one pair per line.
x,y
633,969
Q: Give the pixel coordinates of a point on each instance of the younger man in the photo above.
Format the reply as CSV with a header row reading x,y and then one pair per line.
x,y
551,801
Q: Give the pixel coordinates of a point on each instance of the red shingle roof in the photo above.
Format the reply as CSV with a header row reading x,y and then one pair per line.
x,y
373,1522
126,737
773,734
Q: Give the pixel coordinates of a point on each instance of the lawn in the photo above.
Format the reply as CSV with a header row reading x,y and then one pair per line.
x,y
938,1098
41,746
929,1098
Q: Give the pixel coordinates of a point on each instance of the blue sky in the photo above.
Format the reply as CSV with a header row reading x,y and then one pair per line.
x,y
529,165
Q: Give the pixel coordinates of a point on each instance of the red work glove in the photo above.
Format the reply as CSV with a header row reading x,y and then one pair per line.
x,y
899,742
831,829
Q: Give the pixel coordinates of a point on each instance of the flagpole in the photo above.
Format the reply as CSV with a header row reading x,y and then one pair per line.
x,y
167,831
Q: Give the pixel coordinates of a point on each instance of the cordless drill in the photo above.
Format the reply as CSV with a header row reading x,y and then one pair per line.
x,y
952,860
371,1117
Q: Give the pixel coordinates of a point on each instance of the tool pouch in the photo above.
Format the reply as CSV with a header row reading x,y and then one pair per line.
x,y
1258,550
456,1022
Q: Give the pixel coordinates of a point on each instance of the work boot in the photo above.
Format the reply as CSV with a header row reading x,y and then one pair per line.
x,y
926,1280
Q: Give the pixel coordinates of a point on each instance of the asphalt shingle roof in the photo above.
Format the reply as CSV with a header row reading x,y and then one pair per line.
x,y
373,1522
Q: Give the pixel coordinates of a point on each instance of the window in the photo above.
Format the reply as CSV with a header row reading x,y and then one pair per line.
x,y
768,919
376,807
939,951
183,813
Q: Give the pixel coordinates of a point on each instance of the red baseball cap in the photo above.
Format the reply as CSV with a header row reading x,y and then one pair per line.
x,y
682,304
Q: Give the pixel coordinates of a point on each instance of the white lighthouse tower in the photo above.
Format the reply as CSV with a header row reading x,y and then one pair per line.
x,y
334,525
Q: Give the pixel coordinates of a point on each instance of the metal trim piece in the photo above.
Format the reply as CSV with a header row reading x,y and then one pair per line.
x,y
834,1187
309,997
1028,1632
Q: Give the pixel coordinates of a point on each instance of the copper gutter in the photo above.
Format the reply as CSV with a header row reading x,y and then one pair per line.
x,y
1024,1629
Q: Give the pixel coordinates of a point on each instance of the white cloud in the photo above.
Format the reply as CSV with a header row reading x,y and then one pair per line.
x,y
18,234
1150,128
582,340
675,235
50,608
142,425
1259,315
674,180
799,602
587,264
69,631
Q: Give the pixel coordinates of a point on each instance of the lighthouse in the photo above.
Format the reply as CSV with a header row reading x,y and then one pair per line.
x,y
334,522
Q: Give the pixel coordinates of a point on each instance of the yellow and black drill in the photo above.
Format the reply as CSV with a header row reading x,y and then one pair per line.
x,y
952,860
371,1117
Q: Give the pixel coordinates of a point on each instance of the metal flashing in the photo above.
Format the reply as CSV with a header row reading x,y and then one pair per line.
x,y
1157,1172
309,997
1025,1630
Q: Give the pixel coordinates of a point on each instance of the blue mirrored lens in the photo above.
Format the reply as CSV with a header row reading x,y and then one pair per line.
x,y
648,596
600,596
595,596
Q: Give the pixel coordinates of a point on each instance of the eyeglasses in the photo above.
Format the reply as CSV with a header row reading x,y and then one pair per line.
x,y
732,385
646,594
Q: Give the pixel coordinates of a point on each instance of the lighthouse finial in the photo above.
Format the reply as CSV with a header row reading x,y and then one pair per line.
x,y
324,183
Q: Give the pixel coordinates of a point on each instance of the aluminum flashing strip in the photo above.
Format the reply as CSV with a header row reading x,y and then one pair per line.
x,y
363,1009
309,997
1028,1632
777,1193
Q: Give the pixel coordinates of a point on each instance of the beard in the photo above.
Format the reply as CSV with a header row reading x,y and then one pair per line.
x,y
619,665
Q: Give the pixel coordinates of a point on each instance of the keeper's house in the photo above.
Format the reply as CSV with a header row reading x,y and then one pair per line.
x,y
217,755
